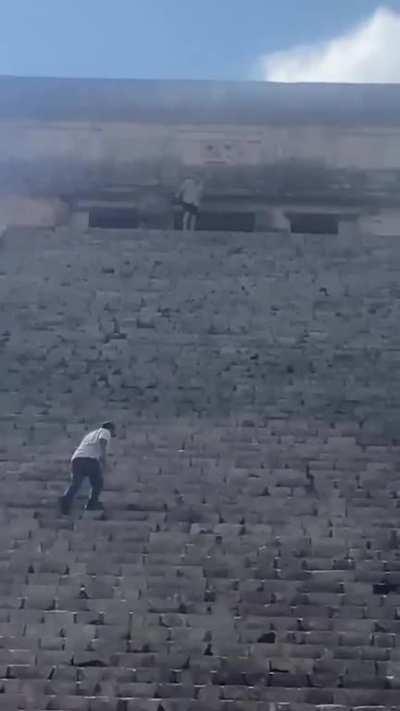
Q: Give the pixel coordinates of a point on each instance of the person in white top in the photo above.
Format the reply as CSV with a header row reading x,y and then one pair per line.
x,y
89,461
189,196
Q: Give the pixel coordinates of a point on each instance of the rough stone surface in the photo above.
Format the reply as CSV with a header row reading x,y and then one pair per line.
x,y
256,144
249,556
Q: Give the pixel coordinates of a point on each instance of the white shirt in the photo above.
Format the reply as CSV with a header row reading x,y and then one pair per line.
x,y
191,192
90,446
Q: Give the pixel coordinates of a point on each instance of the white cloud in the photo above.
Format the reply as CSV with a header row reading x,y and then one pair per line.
x,y
368,53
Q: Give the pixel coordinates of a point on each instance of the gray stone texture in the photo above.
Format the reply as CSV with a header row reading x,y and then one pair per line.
x,y
249,556
169,325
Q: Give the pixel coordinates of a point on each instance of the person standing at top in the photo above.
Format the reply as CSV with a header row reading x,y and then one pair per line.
x,y
189,195
89,461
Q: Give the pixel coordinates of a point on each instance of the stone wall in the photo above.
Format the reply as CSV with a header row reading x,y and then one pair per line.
x,y
28,212
53,158
169,324
67,146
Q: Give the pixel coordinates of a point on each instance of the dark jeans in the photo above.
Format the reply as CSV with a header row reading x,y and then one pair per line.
x,y
189,216
83,467
192,209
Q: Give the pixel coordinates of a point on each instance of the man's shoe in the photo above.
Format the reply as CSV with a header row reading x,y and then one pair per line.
x,y
95,506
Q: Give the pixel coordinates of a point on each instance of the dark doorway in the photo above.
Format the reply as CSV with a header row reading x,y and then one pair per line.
x,y
226,221
113,218
314,223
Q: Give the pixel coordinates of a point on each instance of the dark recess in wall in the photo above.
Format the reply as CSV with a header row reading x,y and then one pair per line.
x,y
221,221
227,221
113,218
314,223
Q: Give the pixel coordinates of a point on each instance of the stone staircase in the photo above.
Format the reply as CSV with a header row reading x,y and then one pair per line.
x,y
249,555
236,567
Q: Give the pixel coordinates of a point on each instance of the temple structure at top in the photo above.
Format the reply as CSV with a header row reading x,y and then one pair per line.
x,y
308,158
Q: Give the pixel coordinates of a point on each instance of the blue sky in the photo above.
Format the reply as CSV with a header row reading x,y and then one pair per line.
x,y
210,39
